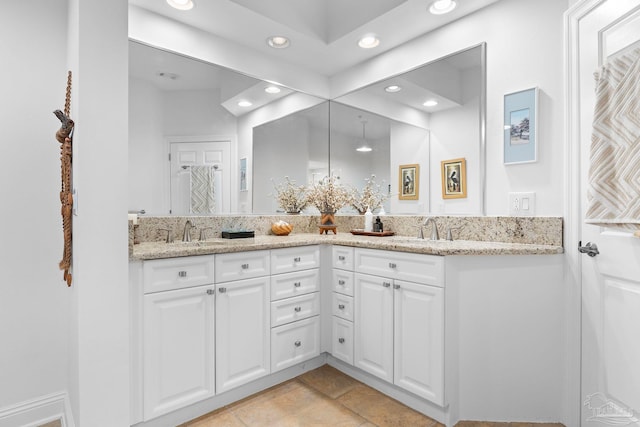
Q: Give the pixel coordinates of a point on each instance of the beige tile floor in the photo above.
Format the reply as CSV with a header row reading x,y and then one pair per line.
x,y
325,397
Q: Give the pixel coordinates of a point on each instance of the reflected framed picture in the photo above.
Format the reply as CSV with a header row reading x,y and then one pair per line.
x,y
243,174
454,178
409,179
520,127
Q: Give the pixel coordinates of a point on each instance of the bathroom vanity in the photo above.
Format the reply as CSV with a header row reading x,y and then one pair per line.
x,y
444,327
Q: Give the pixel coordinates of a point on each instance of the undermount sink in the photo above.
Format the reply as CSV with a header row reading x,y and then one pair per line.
x,y
197,243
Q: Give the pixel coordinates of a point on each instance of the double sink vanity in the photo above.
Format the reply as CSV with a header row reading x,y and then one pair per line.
x,y
217,320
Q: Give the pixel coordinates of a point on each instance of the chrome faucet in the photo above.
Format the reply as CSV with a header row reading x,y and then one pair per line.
x,y
434,228
203,234
186,236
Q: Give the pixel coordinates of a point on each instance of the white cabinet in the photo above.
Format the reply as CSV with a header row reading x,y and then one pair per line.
x,y
399,324
295,306
342,305
242,324
178,334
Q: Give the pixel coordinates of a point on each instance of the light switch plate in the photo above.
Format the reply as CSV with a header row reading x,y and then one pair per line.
x,y
522,204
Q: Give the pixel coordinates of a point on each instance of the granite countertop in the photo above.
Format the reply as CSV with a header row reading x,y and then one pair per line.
x,y
156,250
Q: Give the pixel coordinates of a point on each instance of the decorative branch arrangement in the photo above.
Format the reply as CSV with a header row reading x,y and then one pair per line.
x,y
64,136
372,196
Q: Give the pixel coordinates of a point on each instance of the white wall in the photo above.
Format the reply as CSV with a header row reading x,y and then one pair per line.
x,y
534,28
34,300
410,146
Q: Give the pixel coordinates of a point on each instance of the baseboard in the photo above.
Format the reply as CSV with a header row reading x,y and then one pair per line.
x,y
38,411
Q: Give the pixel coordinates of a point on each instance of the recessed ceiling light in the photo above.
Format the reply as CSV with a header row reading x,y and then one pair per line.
x,y
181,4
440,7
393,88
272,89
244,103
369,41
364,149
278,42
430,103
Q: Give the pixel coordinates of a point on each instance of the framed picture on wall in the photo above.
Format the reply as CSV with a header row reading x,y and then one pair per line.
x,y
454,178
243,174
520,127
409,180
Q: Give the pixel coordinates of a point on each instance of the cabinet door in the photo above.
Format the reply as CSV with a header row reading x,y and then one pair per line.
x,y
178,349
342,340
373,325
419,340
242,332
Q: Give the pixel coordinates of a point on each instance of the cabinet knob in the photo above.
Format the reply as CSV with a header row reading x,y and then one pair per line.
x,y
341,340
245,266
386,284
210,292
297,309
341,282
392,265
182,274
340,306
396,286
297,284
297,343
222,289
296,259
341,258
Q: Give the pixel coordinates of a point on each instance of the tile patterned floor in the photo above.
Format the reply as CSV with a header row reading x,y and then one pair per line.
x,y
326,397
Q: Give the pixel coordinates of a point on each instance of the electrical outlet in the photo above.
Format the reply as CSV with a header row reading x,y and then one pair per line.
x,y
522,204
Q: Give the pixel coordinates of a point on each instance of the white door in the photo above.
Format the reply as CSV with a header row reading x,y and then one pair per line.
x,y
242,332
610,371
178,349
185,154
419,339
373,323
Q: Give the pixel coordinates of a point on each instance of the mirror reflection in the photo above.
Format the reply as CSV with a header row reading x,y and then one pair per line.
x,y
196,145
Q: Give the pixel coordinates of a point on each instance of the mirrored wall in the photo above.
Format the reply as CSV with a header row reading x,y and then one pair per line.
x,y
191,121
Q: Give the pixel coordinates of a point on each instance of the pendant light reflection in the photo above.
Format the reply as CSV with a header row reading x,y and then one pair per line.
x,y
364,148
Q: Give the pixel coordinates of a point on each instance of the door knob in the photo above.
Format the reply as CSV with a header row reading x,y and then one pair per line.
x,y
590,249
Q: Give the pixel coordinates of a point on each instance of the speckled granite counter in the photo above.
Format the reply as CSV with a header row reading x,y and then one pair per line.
x,y
155,250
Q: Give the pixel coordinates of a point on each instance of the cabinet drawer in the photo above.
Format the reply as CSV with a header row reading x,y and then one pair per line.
x,y
418,268
342,306
296,308
294,259
342,340
177,273
343,282
342,257
293,284
242,265
294,343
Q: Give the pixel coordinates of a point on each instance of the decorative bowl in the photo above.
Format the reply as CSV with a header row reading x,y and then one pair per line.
x,y
281,228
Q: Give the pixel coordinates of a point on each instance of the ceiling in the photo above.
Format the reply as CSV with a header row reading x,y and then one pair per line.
x,y
323,33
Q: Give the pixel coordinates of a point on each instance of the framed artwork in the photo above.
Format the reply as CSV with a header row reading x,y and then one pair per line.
x,y
243,174
454,178
409,179
520,127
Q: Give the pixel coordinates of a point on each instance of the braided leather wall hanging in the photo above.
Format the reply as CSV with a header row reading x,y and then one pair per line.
x,y
65,137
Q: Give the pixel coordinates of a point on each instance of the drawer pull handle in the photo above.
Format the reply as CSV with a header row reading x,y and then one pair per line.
x,y
392,265
298,309
341,282
222,290
395,286
386,284
341,258
296,259
341,340
340,306
210,292
182,274
245,266
297,284
297,343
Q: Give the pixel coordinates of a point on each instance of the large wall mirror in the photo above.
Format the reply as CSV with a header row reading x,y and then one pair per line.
x,y
188,125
